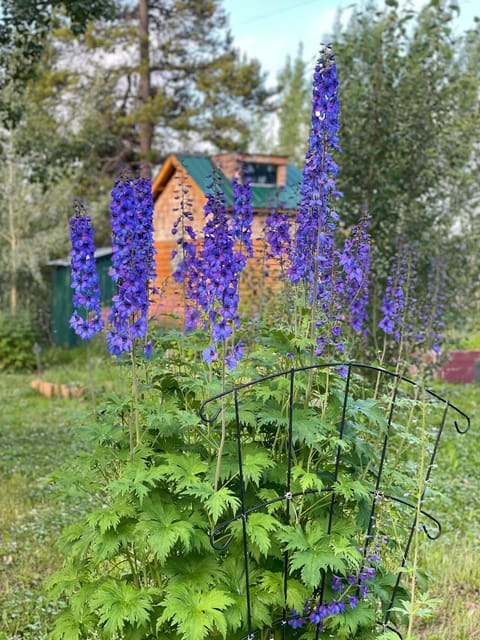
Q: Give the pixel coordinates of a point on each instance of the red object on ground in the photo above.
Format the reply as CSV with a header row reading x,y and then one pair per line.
x,y
460,366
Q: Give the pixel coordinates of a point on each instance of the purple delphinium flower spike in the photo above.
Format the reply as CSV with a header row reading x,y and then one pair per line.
x,y
312,252
85,281
277,234
431,312
398,295
133,262
313,259
187,268
355,261
242,214
213,274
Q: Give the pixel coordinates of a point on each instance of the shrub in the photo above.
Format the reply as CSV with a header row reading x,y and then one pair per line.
x,y
18,334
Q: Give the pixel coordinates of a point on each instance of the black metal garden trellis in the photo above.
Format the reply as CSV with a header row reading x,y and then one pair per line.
x,y
397,435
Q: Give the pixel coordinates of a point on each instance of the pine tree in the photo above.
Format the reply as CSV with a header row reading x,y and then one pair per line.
x,y
175,81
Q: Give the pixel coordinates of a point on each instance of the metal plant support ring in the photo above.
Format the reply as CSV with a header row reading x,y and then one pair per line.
x,y
354,381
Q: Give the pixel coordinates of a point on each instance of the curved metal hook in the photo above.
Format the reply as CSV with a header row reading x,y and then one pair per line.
x,y
437,524
461,431
202,414
424,513
216,546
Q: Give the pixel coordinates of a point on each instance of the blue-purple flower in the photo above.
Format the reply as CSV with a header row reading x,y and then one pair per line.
x,y
277,234
398,295
355,261
133,262
296,621
211,275
431,311
85,281
313,250
187,268
313,260
242,214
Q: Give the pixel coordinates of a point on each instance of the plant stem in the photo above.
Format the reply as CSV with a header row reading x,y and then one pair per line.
x,y
420,495
224,428
134,426
91,383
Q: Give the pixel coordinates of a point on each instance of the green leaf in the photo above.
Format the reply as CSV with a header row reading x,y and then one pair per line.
x,y
138,479
64,580
273,584
201,569
265,495
347,624
66,627
293,537
119,603
109,517
161,527
259,529
312,562
196,613
185,469
306,480
314,550
371,410
307,427
272,414
344,548
220,501
255,461
351,489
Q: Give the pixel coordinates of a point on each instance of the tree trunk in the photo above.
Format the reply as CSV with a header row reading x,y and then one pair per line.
x,y
12,235
145,126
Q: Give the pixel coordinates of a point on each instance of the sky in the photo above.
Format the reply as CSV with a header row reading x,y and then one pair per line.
x,y
271,29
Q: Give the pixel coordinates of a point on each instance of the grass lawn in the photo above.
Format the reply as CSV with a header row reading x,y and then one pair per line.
x,y
453,560
37,435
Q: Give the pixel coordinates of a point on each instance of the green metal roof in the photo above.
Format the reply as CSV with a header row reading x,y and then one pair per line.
x,y
201,169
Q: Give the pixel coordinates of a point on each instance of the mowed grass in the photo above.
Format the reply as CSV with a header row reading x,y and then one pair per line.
x,y
38,435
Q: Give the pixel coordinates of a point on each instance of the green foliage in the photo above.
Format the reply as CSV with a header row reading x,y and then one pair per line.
x,y
409,105
32,514
17,337
24,28
140,563
200,90
196,613
409,121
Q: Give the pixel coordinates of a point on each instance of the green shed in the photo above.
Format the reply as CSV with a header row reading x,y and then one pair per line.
x,y
61,307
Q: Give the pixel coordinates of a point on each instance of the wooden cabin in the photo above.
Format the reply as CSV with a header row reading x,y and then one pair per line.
x,y
184,180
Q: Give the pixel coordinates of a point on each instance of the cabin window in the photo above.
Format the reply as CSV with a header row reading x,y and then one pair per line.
x,y
260,173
